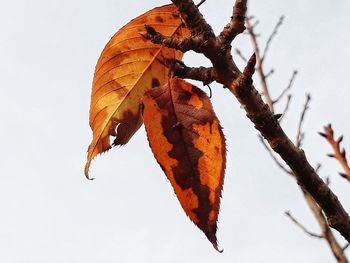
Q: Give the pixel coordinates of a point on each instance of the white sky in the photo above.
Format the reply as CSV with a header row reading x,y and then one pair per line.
x,y
51,213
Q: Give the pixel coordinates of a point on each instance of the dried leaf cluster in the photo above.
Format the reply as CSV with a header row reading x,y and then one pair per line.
x,y
133,84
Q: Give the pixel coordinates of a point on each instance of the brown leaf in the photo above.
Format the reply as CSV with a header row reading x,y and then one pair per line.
x,y
187,140
128,66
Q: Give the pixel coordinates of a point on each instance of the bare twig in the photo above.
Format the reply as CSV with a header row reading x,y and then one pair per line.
x,y
273,34
239,53
290,84
318,167
295,221
300,134
270,73
259,65
339,153
286,108
256,23
279,164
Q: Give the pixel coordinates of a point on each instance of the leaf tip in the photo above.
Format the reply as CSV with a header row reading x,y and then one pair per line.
x,y
86,170
211,236
216,247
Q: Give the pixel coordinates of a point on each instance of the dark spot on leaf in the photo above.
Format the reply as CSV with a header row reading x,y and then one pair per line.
x,y
216,149
159,19
155,83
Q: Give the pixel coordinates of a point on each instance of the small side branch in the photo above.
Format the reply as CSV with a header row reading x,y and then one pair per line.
x,y
269,74
295,221
339,153
239,53
290,84
273,34
205,75
236,25
259,65
184,45
286,108
300,134
278,163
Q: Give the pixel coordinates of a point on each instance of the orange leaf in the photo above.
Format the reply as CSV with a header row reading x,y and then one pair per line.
x,y
187,140
128,66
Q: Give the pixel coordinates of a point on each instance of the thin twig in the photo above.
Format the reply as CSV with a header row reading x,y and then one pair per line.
x,y
279,164
290,84
270,73
318,167
256,23
239,53
273,34
300,134
259,65
286,108
288,214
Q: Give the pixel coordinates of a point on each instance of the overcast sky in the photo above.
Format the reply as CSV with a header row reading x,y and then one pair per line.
x,y
49,212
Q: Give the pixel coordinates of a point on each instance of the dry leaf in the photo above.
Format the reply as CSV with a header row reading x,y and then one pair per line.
x,y
129,65
187,140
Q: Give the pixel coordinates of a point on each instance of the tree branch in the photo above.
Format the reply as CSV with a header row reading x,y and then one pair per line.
x,y
259,113
336,249
240,84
